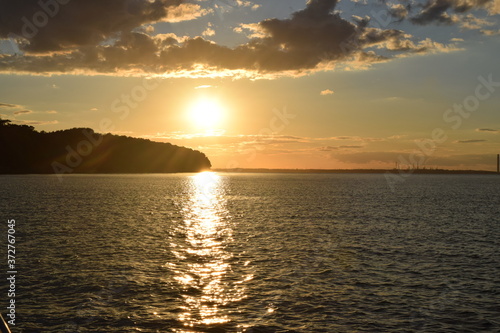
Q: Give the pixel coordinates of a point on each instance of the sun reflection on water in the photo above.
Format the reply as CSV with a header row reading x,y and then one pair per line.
x,y
203,258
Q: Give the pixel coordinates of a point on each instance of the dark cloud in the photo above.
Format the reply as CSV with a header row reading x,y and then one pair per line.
x,y
439,10
423,12
470,141
351,147
487,130
35,122
20,112
309,37
7,105
57,27
434,11
328,148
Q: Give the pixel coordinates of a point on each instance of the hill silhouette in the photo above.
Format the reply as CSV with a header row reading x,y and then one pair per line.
x,y
81,150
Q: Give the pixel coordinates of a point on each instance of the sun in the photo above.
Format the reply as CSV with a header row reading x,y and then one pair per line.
x,y
206,113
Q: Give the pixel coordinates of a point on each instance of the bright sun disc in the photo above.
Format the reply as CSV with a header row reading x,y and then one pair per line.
x,y
206,113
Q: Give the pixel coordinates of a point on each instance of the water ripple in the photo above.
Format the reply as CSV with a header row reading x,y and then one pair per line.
x,y
255,253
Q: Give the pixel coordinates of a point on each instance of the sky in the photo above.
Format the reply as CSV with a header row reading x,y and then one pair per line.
x,y
320,84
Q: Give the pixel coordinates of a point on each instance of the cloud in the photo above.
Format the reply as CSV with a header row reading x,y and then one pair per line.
x,y
470,141
185,12
205,86
292,142
208,32
489,32
109,37
438,10
397,136
7,105
441,12
25,112
22,112
253,30
35,122
227,141
243,3
328,148
472,22
94,109
336,148
351,147
494,8
398,11
81,23
326,92
487,130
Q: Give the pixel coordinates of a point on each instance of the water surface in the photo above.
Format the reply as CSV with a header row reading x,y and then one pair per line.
x,y
255,253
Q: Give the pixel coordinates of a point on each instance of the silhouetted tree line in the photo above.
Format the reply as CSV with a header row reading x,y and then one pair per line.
x,y
81,150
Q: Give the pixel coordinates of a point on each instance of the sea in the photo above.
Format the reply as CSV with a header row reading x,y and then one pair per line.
x,y
236,252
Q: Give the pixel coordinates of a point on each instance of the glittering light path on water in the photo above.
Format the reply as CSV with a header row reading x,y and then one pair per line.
x,y
202,258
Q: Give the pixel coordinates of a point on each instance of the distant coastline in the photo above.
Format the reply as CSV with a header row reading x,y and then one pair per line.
x,y
405,171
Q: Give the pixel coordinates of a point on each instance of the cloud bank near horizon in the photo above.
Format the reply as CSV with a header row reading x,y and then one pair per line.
x,y
118,38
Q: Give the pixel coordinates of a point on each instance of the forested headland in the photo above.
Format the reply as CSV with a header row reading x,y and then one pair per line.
x,y
80,150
